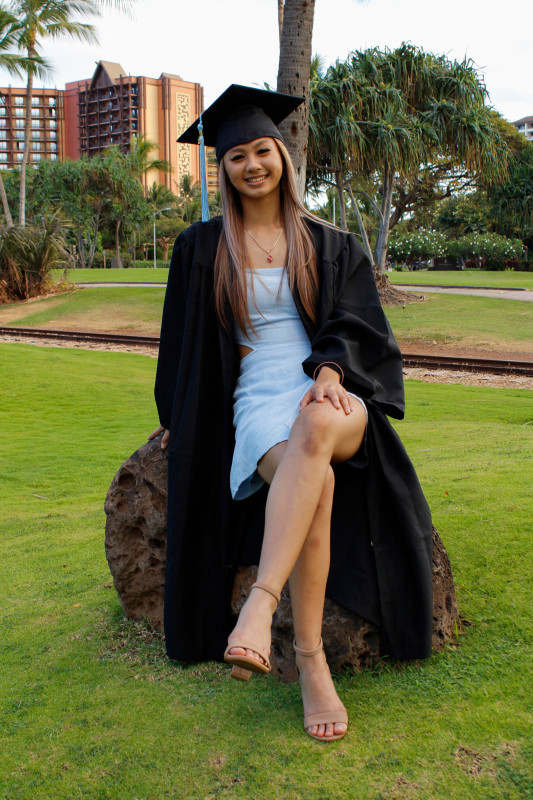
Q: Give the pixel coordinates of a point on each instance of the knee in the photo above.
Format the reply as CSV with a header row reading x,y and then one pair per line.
x,y
314,429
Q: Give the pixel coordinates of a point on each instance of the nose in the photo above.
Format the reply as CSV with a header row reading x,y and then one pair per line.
x,y
253,163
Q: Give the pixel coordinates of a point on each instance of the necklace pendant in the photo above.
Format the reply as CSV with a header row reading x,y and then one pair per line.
x,y
270,258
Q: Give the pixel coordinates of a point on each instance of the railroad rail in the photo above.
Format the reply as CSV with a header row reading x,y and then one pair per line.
x,y
433,361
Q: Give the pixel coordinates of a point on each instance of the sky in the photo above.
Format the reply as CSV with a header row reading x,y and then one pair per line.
x,y
218,42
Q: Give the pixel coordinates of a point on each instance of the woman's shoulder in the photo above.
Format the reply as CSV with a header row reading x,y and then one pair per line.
x,y
201,231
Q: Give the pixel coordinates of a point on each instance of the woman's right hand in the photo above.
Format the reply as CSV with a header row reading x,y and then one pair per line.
x,y
157,432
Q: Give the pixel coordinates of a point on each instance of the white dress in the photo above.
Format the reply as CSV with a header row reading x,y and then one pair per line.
x,y
272,382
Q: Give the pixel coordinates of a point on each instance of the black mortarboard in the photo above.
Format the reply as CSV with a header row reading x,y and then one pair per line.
x,y
240,115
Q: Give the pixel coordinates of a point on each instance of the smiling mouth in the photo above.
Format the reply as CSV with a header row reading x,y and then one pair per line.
x,y
256,179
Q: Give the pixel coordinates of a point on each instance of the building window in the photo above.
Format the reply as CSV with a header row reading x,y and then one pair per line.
x,y
51,101
36,123
52,123
36,157
19,101
35,101
52,135
3,123
19,123
53,157
3,145
36,146
4,166
3,134
20,145
52,146
20,156
20,112
51,112
35,134
19,134
36,112
2,111
3,156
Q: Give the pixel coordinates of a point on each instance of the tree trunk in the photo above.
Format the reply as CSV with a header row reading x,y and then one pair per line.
x,y
5,204
380,250
117,243
281,4
339,181
94,242
362,229
27,136
293,78
82,249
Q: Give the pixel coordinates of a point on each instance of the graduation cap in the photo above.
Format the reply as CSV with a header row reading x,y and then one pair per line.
x,y
241,114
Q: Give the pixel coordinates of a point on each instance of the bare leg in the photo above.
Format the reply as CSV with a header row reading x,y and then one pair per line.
x,y
296,540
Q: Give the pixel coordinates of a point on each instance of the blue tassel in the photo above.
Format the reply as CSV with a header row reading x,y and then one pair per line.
x,y
203,174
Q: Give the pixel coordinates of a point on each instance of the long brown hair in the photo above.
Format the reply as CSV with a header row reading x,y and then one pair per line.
x,y
232,259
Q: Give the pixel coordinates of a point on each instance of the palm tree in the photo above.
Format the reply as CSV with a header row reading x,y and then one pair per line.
x,y
40,19
296,23
15,64
140,161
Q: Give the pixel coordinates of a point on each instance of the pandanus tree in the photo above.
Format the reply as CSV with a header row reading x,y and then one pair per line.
x,y
385,120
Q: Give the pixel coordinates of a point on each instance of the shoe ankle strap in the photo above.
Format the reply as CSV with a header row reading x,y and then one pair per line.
x,y
313,652
269,589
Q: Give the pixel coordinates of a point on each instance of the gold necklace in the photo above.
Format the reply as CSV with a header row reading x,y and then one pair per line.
x,y
270,257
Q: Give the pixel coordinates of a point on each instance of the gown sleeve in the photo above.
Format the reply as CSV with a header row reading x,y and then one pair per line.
x,y
354,333
172,327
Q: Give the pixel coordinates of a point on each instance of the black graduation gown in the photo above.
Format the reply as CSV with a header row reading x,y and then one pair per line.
x,y
381,545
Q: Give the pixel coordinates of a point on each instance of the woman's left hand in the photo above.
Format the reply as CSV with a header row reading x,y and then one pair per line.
x,y
327,385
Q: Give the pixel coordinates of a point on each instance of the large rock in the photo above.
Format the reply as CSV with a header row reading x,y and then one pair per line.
x,y
135,547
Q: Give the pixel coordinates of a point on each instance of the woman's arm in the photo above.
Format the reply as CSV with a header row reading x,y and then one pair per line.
x,y
353,332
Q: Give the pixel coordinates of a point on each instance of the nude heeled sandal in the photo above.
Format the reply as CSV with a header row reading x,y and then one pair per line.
x,y
243,666
322,717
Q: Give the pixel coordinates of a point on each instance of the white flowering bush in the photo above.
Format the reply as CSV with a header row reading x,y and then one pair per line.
x,y
488,249
421,243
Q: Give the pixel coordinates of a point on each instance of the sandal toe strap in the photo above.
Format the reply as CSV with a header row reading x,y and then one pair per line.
x,y
246,646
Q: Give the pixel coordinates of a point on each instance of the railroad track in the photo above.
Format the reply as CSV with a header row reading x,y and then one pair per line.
x,y
435,361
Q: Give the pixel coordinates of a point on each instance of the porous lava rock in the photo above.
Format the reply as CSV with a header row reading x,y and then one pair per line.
x,y
135,541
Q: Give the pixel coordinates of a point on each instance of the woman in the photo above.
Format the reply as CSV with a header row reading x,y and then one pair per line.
x,y
276,314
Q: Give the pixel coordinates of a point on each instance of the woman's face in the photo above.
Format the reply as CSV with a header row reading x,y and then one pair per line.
x,y
254,168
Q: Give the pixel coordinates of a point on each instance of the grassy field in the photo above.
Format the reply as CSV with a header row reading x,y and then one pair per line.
x,y
91,708
483,323
470,277
122,309
467,277
140,275
486,323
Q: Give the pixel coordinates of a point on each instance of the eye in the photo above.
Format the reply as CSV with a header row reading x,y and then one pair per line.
x,y
236,157
263,150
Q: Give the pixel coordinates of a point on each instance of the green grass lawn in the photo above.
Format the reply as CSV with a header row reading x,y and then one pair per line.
x,y
123,309
140,275
92,709
484,323
466,277
490,324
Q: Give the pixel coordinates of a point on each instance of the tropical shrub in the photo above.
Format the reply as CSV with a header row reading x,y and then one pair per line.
x,y
417,244
27,255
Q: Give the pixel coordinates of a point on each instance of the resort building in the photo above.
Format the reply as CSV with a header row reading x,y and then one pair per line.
x,y
525,126
47,126
107,109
